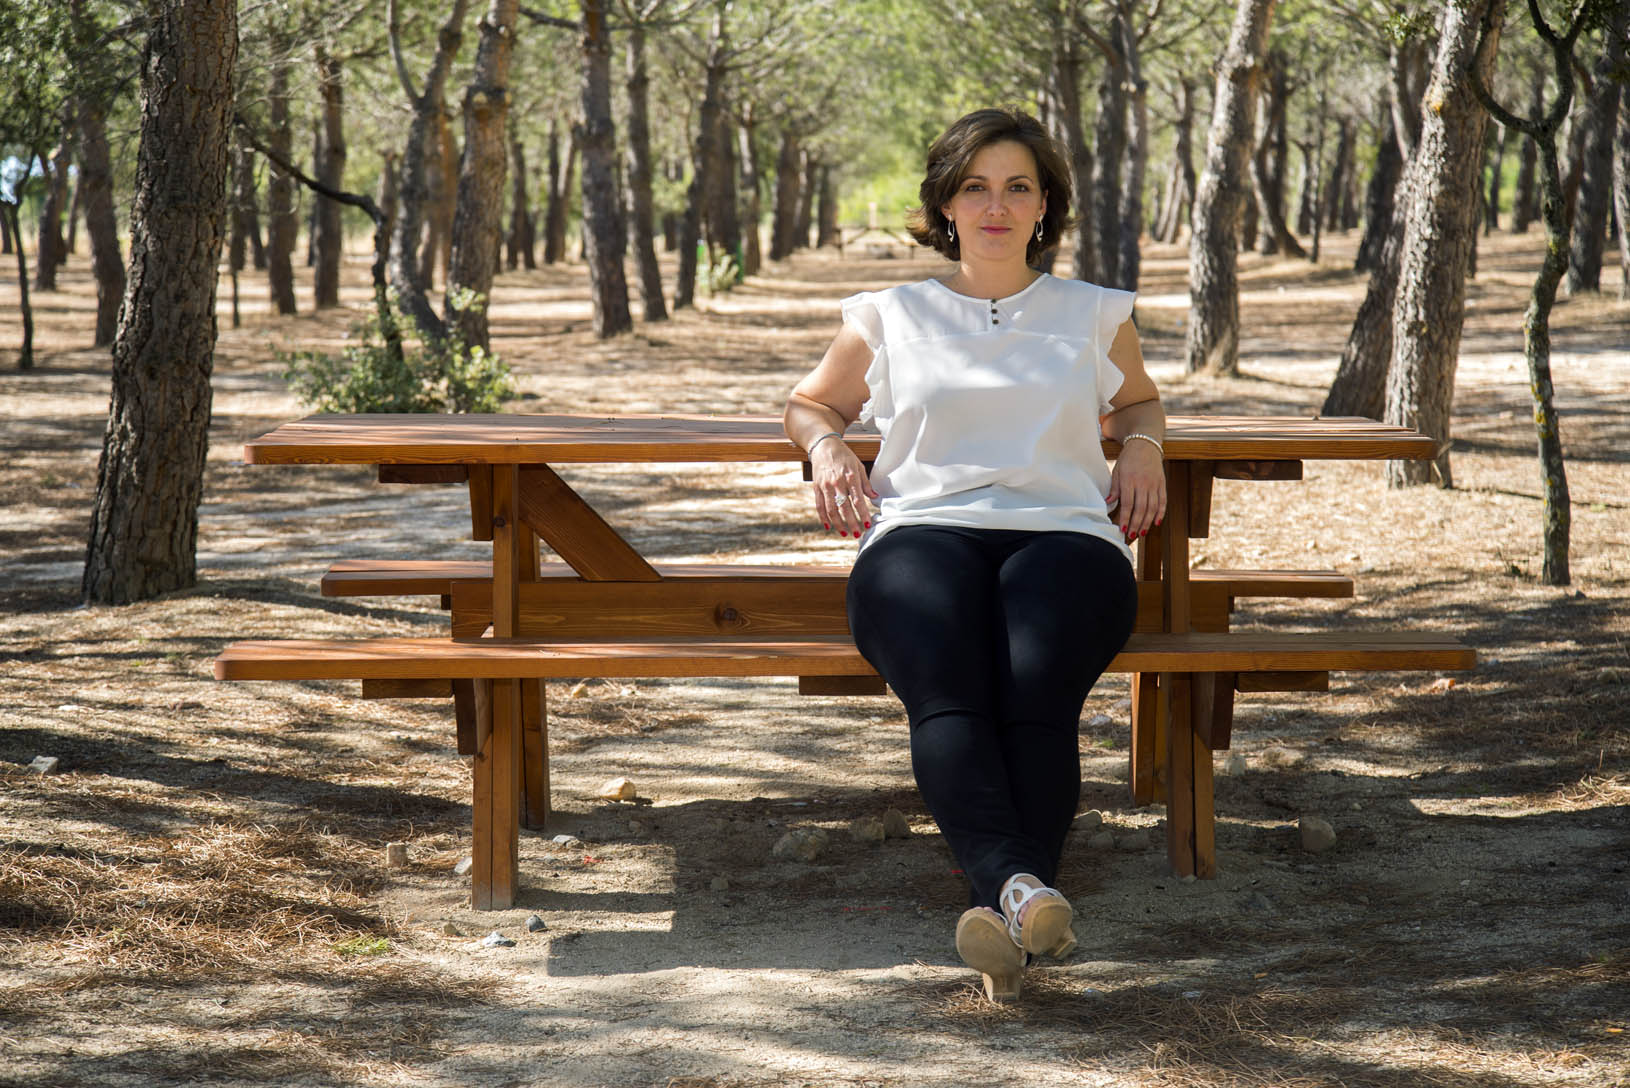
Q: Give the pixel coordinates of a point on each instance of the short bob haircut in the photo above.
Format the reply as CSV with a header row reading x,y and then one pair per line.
x,y
951,157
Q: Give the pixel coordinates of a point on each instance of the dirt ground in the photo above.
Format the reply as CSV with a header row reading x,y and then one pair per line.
x,y
198,893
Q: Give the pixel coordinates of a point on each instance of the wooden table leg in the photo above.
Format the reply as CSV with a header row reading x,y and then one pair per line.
x,y
495,852
534,708
1147,714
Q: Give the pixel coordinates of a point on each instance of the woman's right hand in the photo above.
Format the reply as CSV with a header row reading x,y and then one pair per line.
x,y
843,493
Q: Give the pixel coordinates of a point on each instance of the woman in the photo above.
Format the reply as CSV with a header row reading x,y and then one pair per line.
x,y
994,583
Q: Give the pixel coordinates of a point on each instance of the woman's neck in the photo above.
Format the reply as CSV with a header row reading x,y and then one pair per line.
x,y
983,280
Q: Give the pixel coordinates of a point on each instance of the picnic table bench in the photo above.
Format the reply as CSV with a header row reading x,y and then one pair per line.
x,y
606,611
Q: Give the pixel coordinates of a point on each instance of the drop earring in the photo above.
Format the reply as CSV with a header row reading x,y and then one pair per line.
x,y
950,231
1038,230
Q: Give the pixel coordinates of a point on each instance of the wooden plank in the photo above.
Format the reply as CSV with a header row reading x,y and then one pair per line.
x,y
1280,681
1274,583
576,531
564,439
481,503
830,655
1200,475
507,534
842,685
1214,693
423,474
1144,758
535,806
406,689
464,715
1180,795
495,869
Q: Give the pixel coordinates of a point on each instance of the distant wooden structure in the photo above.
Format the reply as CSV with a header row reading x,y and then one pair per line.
x,y
879,241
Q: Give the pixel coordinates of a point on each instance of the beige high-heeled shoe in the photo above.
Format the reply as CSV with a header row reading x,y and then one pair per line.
x,y
983,942
1038,917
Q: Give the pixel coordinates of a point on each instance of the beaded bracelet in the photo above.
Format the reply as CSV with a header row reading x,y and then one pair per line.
x,y
1147,438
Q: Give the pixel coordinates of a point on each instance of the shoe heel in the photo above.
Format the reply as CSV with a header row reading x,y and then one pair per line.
x,y
1002,989
1064,947
983,943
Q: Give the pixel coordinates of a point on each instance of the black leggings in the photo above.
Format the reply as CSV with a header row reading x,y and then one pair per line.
x,y
992,639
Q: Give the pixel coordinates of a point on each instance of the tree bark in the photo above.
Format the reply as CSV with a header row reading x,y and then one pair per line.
x,y
604,235
1621,192
1525,200
641,202
389,196
1596,177
144,521
441,196
477,221
14,228
1268,177
1129,260
1109,151
787,179
1182,193
329,237
521,242
1439,226
826,209
1491,206
806,200
96,187
752,184
51,248
420,164
1378,200
707,130
1212,339
1339,172
561,175
723,220
281,223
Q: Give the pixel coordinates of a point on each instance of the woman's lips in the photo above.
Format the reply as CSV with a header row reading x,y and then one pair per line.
x,y
995,230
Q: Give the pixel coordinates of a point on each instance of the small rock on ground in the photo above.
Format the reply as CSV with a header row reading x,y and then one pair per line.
x,y
1133,840
450,930
463,866
895,825
1235,764
1102,840
867,829
1317,834
719,884
617,789
800,844
1280,757
535,924
1099,721
496,939
1090,820
43,764
396,855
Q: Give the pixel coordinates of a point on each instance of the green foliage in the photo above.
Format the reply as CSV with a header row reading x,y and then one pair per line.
x,y
34,75
363,946
718,271
368,376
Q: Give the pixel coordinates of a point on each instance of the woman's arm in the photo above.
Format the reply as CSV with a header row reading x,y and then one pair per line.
x,y
824,403
1137,488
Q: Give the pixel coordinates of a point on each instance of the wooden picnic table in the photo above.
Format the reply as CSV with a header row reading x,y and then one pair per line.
x,y
602,609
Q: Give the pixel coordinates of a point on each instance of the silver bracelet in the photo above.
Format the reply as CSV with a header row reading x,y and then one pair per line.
x,y
1146,438
823,438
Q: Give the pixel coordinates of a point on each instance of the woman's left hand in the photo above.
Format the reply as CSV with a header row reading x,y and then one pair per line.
x,y
1137,489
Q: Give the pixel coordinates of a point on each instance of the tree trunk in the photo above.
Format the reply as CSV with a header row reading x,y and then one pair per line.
x,y
707,130
604,235
144,521
281,223
1525,200
50,245
1342,167
14,228
420,165
1182,198
1596,178
441,196
723,220
1621,192
1439,226
787,179
75,208
1268,166
389,196
806,200
1378,200
329,237
641,202
1129,262
1491,205
826,211
1212,340
561,175
96,185
522,240
1109,151
5,233
245,211
752,185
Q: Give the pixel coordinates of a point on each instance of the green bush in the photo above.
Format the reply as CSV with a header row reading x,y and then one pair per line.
x,y
437,376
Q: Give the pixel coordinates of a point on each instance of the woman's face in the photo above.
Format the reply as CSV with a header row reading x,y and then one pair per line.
x,y
999,202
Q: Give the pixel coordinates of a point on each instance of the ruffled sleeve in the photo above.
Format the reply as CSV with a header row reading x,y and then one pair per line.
x,y
1114,308
860,313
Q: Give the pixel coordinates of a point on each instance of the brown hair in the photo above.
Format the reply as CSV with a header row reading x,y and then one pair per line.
x,y
951,157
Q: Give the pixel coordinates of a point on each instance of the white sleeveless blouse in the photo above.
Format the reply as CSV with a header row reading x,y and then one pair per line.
x,y
989,410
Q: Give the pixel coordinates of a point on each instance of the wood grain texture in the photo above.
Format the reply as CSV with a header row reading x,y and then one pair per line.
x,y
505,658
576,531
566,439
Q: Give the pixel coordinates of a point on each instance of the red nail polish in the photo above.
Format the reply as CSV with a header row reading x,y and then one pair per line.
x,y
828,528
868,525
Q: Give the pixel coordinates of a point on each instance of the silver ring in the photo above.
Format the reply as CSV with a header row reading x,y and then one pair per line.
x,y
839,500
